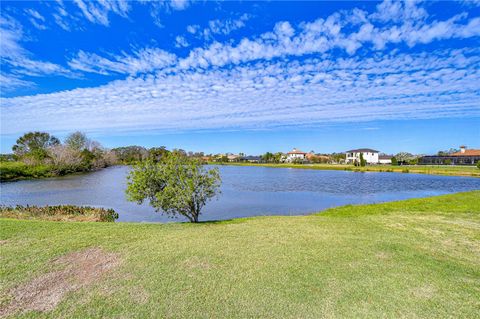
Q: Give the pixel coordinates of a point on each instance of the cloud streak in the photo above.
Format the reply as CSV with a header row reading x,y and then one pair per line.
x,y
264,95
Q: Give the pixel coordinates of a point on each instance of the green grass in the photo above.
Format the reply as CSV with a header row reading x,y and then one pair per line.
x,y
18,170
418,258
417,169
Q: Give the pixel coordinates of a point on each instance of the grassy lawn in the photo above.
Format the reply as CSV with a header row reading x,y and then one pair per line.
x,y
414,258
418,169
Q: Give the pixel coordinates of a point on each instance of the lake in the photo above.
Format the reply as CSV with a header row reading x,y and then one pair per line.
x,y
246,191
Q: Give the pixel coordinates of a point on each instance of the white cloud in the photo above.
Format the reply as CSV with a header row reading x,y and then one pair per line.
x,y
143,61
36,19
193,28
18,59
97,12
264,95
346,72
227,26
181,42
10,83
180,4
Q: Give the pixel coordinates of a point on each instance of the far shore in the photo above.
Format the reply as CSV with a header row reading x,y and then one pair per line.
x,y
447,170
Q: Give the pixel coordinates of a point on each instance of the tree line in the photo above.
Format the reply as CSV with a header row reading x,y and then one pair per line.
x,y
76,153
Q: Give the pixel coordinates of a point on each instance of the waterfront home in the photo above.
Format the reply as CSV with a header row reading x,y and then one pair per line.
x,y
385,159
462,157
296,155
233,157
251,159
369,155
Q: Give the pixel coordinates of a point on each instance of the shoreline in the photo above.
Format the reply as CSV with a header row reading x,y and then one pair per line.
x,y
240,219
444,170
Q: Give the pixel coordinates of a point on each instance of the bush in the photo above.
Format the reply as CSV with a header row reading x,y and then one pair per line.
x,y
18,170
59,213
478,164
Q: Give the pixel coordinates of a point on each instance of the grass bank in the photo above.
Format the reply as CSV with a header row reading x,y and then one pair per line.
x,y
414,258
450,170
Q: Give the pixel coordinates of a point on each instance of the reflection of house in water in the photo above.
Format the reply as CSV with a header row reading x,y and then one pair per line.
x,y
463,157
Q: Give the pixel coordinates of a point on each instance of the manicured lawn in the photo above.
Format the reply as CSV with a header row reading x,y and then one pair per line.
x,y
408,259
418,169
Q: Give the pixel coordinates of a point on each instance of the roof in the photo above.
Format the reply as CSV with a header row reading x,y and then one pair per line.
x,y
362,150
467,153
251,158
295,151
385,157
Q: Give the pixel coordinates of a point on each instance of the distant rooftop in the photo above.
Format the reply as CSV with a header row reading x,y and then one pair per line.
x,y
385,157
467,153
362,150
295,151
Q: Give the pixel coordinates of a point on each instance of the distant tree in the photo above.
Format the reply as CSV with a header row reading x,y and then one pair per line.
x,y
446,153
130,154
478,164
34,145
448,162
277,157
363,162
177,185
77,141
394,161
268,157
156,153
404,157
223,159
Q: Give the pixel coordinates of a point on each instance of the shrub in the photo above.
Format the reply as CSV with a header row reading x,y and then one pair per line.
x,y
59,213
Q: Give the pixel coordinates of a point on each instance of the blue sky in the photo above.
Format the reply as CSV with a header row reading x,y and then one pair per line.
x,y
244,76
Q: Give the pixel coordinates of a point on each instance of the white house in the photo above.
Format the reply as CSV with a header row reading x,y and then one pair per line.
x,y
385,159
296,155
369,155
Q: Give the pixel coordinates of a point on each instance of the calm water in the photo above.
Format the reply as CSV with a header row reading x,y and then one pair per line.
x,y
246,191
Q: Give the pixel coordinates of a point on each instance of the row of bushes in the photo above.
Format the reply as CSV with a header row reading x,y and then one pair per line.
x,y
59,213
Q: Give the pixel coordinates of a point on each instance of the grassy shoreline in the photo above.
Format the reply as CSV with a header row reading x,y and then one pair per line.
x,y
448,170
412,258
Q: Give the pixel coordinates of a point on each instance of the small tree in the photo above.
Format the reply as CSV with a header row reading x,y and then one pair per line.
x,y
363,162
394,161
77,141
178,185
478,164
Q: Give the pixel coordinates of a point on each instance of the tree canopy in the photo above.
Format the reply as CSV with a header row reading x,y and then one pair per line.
x,y
34,144
177,185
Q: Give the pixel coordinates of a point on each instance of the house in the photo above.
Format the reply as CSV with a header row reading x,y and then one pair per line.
x,y
233,157
385,159
462,157
296,155
251,159
369,155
